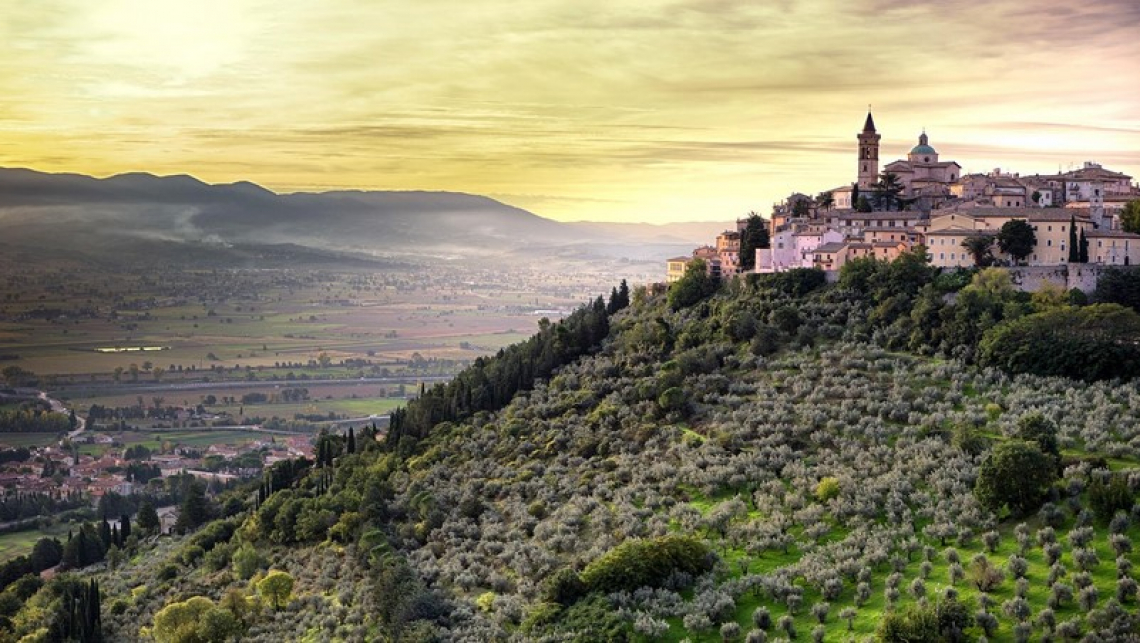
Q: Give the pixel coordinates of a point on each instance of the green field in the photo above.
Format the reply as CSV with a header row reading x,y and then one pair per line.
x,y
349,407
28,439
936,579
20,543
261,319
196,438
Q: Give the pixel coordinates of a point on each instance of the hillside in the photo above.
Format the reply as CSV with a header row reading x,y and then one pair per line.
x,y
778,459
135,216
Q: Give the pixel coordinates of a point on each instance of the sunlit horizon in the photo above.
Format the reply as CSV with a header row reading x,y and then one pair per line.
x,y
670,111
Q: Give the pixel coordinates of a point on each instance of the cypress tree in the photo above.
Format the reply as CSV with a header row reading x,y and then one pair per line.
x,y
1074,247
1084,254
105,532
125,527
351,441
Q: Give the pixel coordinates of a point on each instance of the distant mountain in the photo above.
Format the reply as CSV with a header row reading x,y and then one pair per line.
x,y
86,214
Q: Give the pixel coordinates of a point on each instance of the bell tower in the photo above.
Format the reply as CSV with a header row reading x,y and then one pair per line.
x,y
868,154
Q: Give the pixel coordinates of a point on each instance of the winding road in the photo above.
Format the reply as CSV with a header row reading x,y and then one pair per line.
x,y
60,407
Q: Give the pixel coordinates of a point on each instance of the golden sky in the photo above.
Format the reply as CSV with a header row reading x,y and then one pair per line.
x,y
646,110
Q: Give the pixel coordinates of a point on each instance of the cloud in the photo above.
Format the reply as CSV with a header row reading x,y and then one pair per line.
x,y
606,109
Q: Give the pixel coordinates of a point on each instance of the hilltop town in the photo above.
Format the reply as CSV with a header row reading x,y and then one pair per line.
x,y
962,220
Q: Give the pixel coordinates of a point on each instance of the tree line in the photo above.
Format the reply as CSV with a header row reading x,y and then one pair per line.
x,y
491,382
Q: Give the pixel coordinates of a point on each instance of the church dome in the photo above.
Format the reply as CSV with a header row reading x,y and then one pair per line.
x,y
923,146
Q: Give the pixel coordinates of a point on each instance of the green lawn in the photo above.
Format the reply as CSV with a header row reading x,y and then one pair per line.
x,y
28,439
20,543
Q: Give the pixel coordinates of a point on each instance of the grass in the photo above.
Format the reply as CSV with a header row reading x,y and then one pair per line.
x,y
20,543
937,581
870,614
195,438
28,439
360,407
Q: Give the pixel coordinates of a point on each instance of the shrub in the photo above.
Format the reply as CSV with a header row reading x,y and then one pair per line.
x,y
646,563
1090,343
984,574
1016,475
827,489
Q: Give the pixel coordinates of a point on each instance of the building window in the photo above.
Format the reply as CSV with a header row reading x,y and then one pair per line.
x,y
1049,242
1050,228
941,255
1100,244
1062,228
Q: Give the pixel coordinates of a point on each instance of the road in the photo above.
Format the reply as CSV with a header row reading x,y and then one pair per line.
x,y
59,407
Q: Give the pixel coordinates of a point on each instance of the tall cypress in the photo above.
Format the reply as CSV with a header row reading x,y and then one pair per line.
x,y
1084,254
105,532
1074,247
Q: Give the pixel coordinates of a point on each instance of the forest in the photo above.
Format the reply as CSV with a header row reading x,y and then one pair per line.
x,y
904,455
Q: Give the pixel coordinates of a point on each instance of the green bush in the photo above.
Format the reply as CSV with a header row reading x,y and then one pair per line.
x,y
1092,343
1108,497
646,563
1016,475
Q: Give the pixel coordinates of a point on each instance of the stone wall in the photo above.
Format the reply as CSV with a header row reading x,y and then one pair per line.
x,y
1067,276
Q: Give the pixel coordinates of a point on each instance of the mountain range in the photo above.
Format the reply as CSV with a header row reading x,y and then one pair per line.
x,y
127,215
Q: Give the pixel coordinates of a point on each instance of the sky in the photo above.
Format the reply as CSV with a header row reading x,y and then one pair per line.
x,y
654,110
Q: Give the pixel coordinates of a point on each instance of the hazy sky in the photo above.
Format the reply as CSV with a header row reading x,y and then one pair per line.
x,y
646,110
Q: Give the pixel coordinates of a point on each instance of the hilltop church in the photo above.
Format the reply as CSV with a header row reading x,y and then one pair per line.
x,y
921,174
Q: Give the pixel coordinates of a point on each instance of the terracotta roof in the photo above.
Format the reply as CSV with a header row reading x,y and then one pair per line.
x,y
1054,214
1115,234
1032,214
1092,173
880,215
834,246
955,231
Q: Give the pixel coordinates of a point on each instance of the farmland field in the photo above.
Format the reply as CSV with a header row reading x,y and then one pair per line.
x,y
20,543
76,329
